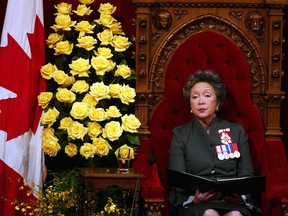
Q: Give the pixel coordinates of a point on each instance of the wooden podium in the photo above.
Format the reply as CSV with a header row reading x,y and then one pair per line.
x,y
94,179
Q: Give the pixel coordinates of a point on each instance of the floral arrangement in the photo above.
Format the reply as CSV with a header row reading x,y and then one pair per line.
x,y
59,196
89,102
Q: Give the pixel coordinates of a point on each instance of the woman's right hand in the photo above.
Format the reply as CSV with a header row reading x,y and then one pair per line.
x,y
207,196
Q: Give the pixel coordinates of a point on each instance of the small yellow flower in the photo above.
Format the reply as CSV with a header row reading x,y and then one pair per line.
x,y
77,131
71,149
99,91
83,10
127,94
125,152
112,130
102,146
50,147
49,118
130,123
80,67
53,38
120,43
63,8
84,27
47,71
86,42
44,98
97,114
106,8
87,150
63,22
113,112
86,1
65,123
80,86
79,110
89,100
60,76
65,96
123,71
105,37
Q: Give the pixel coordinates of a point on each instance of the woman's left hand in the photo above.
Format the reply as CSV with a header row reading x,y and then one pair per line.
x,y
235,198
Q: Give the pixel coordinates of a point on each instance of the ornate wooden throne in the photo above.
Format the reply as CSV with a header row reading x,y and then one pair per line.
x,y
241,40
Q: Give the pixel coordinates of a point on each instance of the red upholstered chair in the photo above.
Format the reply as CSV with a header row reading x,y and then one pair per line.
x,y
213,51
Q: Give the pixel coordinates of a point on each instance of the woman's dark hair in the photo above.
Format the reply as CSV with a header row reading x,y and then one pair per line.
x,y
207,76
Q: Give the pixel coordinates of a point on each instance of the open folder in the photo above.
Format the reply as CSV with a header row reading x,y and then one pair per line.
x,y
241,185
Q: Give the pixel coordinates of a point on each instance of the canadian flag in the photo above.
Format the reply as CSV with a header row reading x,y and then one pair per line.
x,y
21,56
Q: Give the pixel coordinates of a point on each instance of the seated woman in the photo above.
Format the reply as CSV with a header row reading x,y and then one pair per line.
x,y
211,147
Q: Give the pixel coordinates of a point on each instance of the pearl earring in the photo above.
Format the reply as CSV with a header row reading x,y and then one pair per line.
x,y
216,108
191,111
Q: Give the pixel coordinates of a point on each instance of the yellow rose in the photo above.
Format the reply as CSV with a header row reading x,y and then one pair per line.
x,y
120,43
100,64
48,133
71,149
112,130
106,20
102,146
114,90
97,114
77,131
50,147
80,86
94,129
64,8
84,27
116,28
80,67
63,21
65,96
86,42
113,112
68,81
65,123
50,117
105,37
60,77
79,110
104,51
83,10
123,71
44,99
47,71
53,38
125,152
127,94
63,47
86,1
87,150
99,91
106,8
130,123
89,100
111,65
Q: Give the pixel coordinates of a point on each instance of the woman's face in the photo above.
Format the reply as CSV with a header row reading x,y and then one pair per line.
x,y
203,101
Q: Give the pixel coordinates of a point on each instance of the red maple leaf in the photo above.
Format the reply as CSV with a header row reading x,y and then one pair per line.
x,y
20,74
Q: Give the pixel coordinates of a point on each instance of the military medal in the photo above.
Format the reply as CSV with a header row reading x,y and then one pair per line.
x,y
220,155
235,150
228,149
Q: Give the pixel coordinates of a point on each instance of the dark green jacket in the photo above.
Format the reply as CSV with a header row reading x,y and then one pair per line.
x,y
193,150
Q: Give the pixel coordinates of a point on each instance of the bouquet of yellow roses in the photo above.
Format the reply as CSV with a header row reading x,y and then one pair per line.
x,y
89,102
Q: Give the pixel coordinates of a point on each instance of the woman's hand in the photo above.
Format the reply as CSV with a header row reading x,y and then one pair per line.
x,y
235,198
207,196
